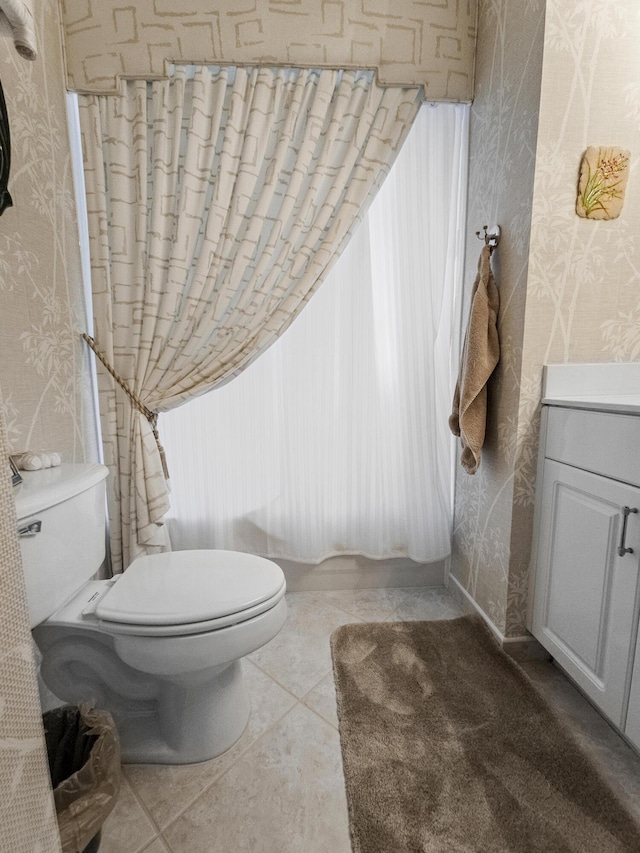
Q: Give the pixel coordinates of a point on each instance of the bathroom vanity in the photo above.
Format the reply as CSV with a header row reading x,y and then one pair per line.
x,y
586,556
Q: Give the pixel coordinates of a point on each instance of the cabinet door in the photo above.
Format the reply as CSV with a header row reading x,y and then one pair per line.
x,y
585,595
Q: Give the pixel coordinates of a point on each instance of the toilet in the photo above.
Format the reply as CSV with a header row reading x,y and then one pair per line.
x,y
158,646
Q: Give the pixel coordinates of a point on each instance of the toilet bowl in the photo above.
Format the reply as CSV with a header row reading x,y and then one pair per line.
x,y
159,646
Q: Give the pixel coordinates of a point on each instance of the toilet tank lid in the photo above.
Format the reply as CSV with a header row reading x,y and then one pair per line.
x,y
41,490
183,587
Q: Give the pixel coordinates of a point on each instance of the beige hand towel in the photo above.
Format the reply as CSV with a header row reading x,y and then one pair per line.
x,y
480,355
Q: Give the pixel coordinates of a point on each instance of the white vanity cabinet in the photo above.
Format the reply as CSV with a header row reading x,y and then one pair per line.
x,y
587,555
632,724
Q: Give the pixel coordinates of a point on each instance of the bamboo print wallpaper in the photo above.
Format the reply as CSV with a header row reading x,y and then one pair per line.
x,y
569,285
43,368
583,296
501,171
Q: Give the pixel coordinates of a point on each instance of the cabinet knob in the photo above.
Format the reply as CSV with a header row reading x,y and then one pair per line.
x,y
626,512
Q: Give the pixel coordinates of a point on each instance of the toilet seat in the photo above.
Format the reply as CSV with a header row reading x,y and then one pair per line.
x,y
189,592
114,627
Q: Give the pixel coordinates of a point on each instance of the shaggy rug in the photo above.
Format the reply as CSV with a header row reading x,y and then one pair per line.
x,y
447,748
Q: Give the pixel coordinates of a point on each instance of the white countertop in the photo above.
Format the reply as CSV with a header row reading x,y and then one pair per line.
x,y
604,387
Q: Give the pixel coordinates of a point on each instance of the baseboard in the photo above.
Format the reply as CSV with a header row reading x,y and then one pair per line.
x,y
522,648
354,572
470,605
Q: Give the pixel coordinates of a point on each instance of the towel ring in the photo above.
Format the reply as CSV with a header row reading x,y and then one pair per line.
x,y
491,236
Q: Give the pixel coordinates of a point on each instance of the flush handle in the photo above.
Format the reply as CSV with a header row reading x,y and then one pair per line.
x,y
626,512
31,529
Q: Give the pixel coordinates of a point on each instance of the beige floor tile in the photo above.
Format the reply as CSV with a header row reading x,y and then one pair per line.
x,y
427,603
612,755
370,605
322,699
281,788
166,790
300,656
285,795
157,846
127,829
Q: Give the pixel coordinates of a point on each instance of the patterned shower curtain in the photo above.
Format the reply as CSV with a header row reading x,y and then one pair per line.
x,y
217,201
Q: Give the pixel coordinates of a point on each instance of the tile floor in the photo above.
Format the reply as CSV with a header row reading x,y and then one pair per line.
x,y
280,789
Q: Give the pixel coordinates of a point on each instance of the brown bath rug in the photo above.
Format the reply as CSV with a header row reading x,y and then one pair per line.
x,y
447,748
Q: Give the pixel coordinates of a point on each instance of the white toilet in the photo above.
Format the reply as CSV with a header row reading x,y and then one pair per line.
x,y
159,646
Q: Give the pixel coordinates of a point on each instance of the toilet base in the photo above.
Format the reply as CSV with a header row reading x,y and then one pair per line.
x,y
175,699
191,724
160,720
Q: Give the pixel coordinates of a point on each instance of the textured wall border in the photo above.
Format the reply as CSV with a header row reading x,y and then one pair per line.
x,y
410,42
27,813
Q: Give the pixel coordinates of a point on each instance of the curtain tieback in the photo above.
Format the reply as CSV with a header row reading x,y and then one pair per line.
x,y
152,417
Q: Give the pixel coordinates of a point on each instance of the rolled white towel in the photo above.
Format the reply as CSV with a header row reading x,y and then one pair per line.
x,y
32,461
19,15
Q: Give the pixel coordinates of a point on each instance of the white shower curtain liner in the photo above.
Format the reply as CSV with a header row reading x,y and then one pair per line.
x,y
335,441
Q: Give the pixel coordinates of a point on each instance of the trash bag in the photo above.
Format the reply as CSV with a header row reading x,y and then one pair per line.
x,y
83,749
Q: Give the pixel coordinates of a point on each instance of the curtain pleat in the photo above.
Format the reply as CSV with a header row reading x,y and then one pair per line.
x,y
217,200
336,440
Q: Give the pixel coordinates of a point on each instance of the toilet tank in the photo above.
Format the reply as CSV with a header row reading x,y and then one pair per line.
x,y
61,525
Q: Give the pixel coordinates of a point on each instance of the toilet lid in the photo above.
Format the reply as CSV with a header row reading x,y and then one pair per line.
x,y
183,587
